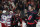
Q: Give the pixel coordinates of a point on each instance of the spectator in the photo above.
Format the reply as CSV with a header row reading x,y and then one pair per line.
x,y
1,7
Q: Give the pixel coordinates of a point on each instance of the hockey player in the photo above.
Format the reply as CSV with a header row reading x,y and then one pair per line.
x,y
38,23
3,18
38,18
15,20
31,10
24,20
9,18
32,18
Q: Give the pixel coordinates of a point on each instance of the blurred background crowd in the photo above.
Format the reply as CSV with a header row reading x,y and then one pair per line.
x,y
20,8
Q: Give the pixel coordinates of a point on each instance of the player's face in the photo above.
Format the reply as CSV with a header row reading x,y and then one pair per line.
x,y
25,11
18,11
29,7
16,15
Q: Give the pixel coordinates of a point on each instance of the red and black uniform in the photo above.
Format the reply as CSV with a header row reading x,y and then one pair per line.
x,y
32,20
32,12
15,21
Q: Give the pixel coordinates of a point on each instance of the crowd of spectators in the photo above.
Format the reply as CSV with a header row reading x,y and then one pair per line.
x,y
21,8
21,5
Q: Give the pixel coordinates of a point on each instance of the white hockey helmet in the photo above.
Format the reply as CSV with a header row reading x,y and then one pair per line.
x,y
11,12
4,11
